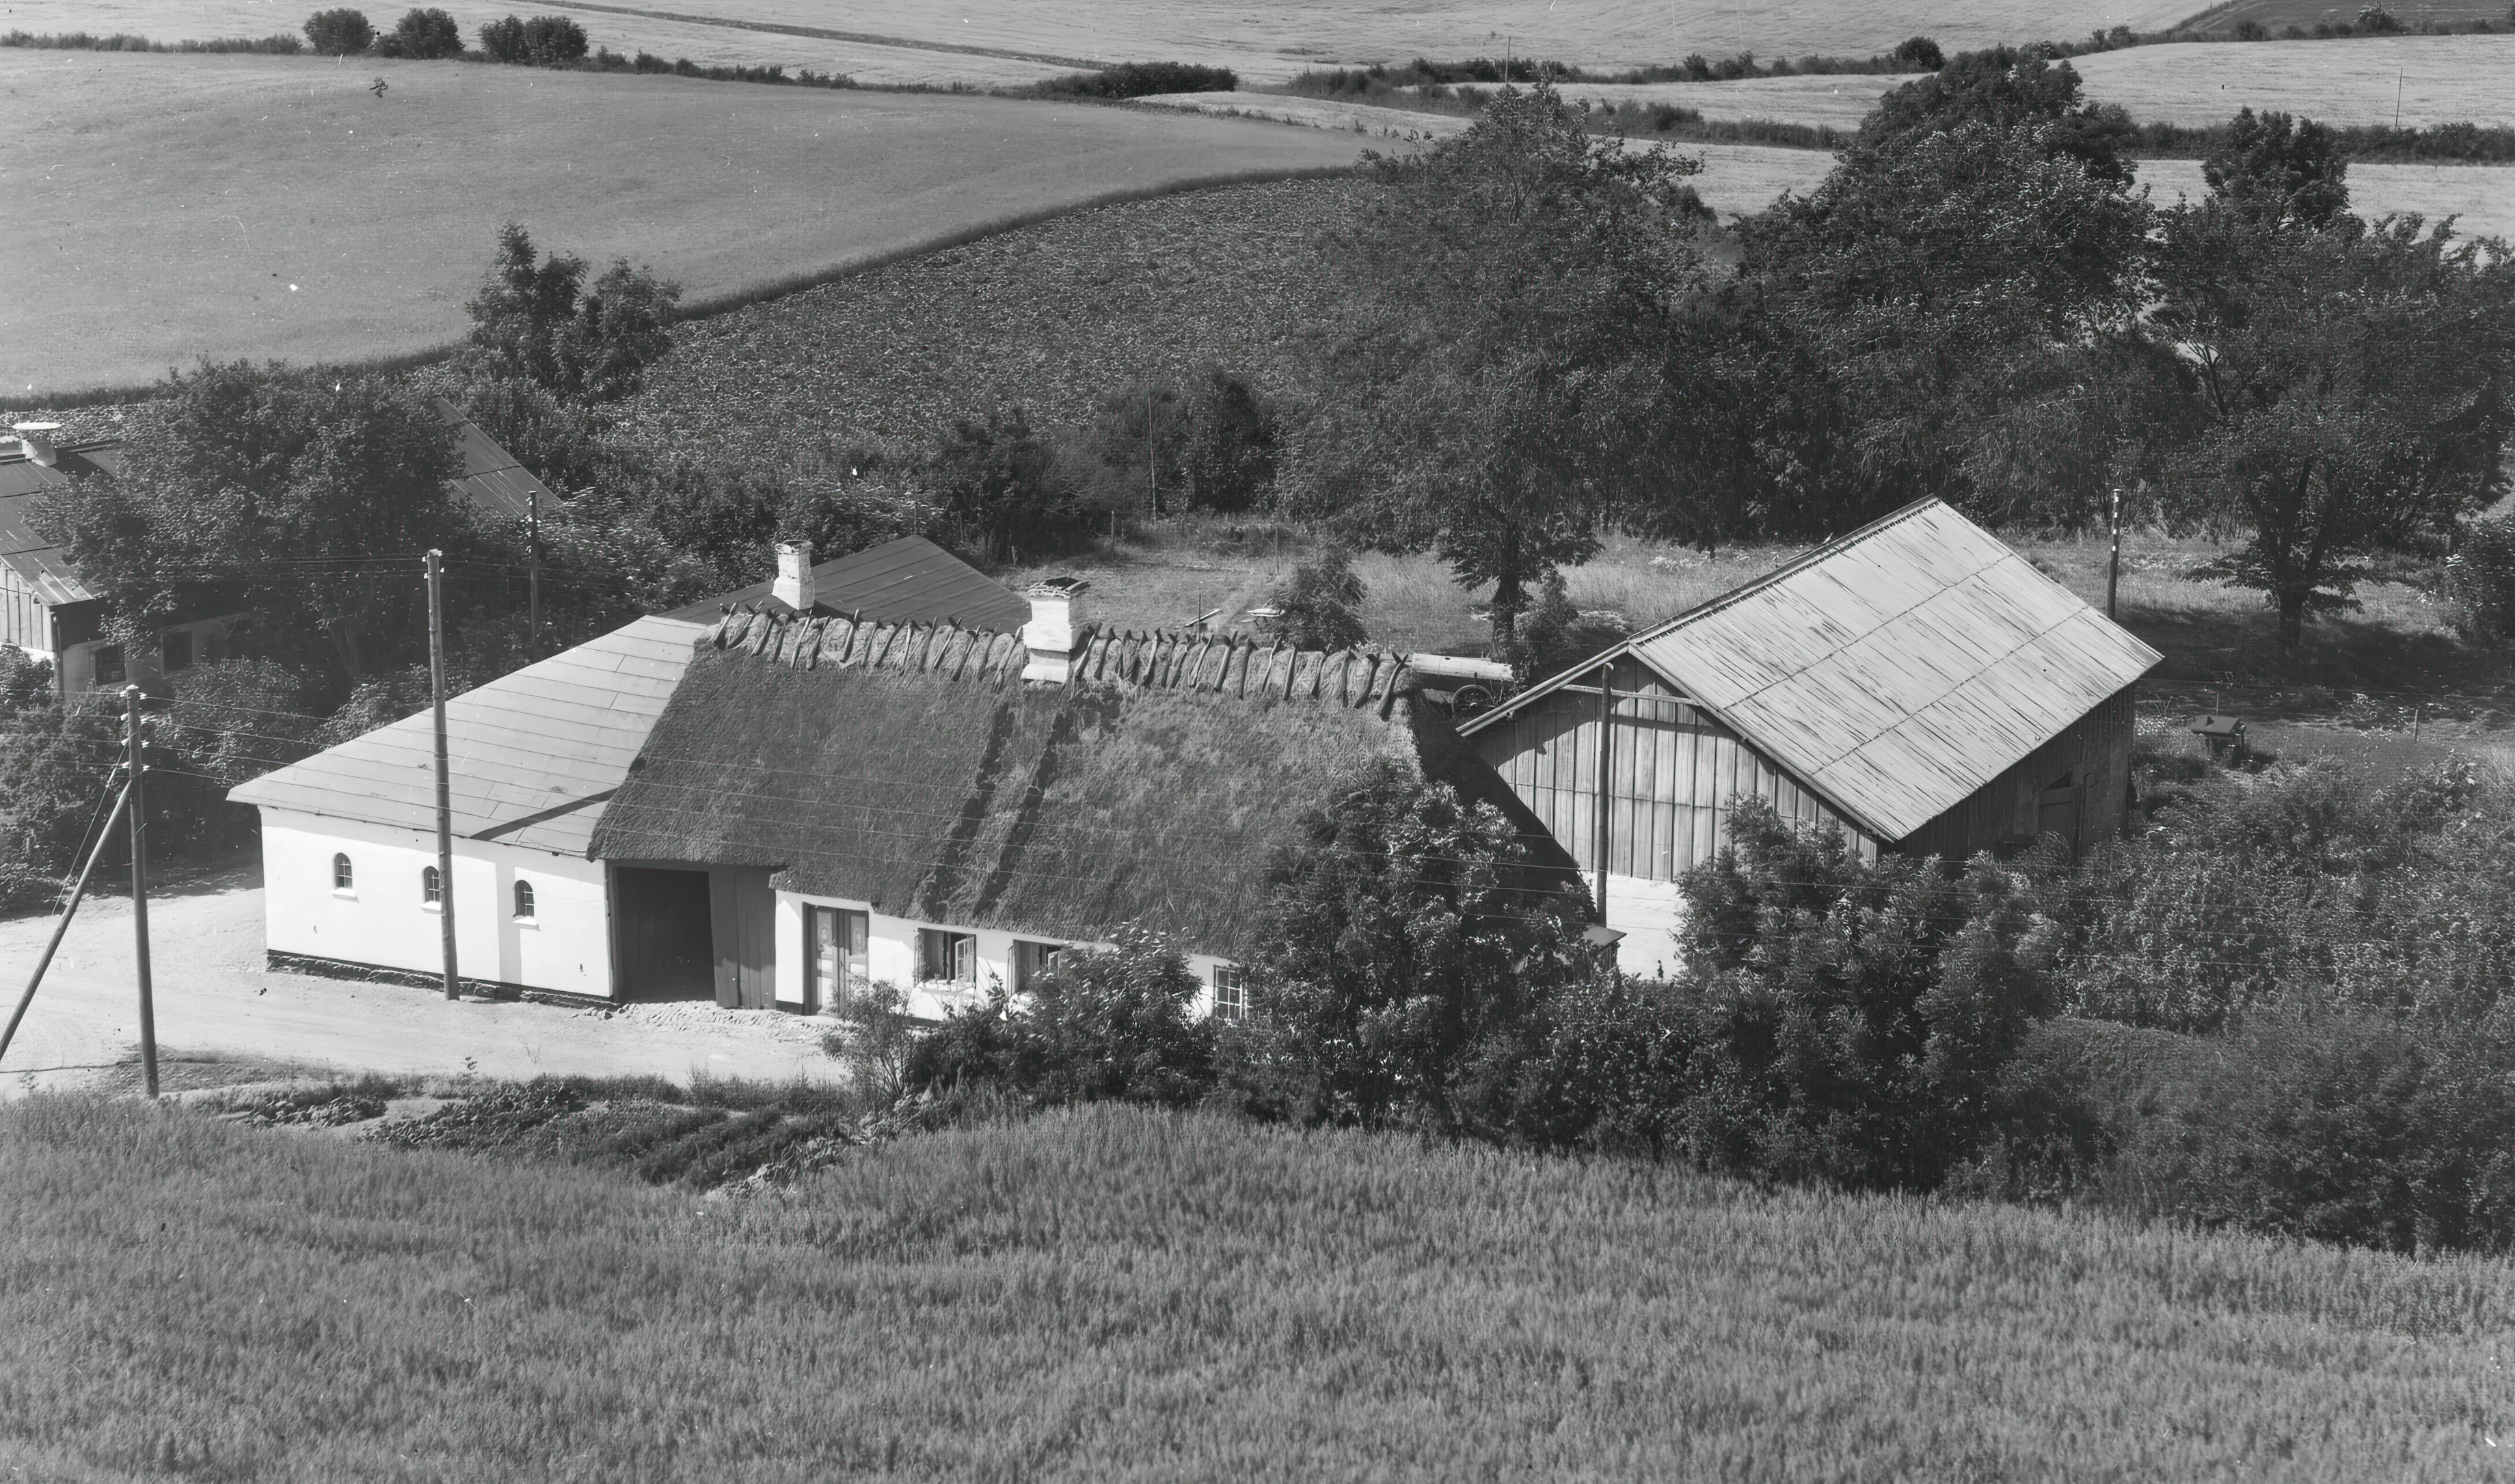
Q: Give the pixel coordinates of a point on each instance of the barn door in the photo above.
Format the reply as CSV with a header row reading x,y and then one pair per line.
x,y
2056,809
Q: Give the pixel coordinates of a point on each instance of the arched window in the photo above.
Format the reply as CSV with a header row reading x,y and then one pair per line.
x,y
524,899
342,878
432,887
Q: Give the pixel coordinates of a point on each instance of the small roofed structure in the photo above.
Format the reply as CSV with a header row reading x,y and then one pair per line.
x,y
900,789
1915,685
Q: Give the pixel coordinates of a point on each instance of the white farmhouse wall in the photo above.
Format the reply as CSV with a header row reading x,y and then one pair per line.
x,y
1649,914
383,921
893,954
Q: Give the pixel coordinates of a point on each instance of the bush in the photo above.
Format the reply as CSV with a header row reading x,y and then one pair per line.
x,y
1227,458
1855,1018
1317,609
427,35
340,33
1100,1026
504,40
878,1040
1009,489
1411,948
1918,54
534,321
1140,79
552,41
2480,580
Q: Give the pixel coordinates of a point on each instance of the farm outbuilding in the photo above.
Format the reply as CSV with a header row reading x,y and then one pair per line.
x,y
1915,685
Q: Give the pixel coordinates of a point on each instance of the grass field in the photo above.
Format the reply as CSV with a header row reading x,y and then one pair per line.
x,y
167,206
2443,80
2481,196
1112,1296
2278,15
1265,44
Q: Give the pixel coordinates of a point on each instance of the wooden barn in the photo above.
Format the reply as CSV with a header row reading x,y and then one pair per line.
x,y
1915,685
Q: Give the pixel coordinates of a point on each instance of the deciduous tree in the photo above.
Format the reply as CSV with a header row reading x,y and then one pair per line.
x,y
534,321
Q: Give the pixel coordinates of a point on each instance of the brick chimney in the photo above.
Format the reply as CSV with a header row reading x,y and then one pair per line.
x,y
1055,625
794,587
35,438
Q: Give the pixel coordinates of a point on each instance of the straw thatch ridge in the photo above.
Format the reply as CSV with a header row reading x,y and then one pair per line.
x,y
1231,664
907,767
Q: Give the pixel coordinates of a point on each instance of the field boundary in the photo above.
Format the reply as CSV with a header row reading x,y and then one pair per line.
x,y
110,395
817,33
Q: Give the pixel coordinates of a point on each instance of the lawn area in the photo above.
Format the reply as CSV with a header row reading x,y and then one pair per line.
x,y
1110,1294
170,206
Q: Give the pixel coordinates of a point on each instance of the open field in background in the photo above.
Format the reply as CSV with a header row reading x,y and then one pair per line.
x,y
137,240
2278,15
2443,80
627,34
2483,197
1117,1296
1264,44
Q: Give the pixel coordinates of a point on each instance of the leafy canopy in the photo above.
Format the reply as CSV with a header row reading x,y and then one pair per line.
x,y
533,321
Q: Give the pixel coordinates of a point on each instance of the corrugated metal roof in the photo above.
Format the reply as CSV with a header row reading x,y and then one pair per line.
x,y
909,580
535,755
1896,670
496,485
42,565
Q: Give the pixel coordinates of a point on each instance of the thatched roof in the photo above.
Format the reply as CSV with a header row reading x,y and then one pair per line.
x,y
910,767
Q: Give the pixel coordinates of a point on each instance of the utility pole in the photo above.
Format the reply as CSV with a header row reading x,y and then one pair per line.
x,y
445,786
138,816
534,503
2112,573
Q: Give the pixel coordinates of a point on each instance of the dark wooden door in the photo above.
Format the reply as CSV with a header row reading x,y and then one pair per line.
x,y
746,937
2056,809
663,931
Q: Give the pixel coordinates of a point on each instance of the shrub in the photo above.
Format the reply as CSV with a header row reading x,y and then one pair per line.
x,y
1855,1017
875,1043
1918,54
552,41
340,33
1135,446
1613,1070
1110,1026
2480,580
1141,79
1316,608
504,40
1227,457
1410,946
427,35
1009,489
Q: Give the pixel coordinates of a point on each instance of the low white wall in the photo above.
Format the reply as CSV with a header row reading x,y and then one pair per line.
x,y
383,920
1649,914
893,952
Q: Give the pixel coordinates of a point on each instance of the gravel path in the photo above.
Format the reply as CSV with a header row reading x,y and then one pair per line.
x,y
214,997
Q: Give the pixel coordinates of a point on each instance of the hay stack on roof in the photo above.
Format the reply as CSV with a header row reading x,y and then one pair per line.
x,y
908,766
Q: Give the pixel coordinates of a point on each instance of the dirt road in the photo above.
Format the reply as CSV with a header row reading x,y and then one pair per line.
x,y
214,996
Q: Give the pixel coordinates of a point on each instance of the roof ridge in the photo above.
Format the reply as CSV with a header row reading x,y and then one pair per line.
x,y
1231,663
1791,569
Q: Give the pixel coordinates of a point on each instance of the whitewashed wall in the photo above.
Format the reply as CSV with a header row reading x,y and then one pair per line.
x,y
891,953
383,921
1649,914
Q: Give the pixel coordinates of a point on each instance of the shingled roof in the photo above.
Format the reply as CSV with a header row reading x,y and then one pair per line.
x,y
908,766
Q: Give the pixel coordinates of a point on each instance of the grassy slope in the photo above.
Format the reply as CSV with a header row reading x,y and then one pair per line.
x,y
1113,1296
142,237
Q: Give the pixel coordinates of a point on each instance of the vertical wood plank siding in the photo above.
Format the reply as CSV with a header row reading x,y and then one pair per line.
x,y
2095,751
1673,776
21,616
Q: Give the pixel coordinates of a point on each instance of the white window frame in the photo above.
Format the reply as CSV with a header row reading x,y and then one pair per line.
x,y
431,889
1230,984
344,875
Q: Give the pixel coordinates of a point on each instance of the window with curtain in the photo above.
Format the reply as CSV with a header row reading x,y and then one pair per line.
x,y
947,956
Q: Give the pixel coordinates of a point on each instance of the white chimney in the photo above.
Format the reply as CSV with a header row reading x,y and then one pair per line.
x,y
1055,616
36,439
794,586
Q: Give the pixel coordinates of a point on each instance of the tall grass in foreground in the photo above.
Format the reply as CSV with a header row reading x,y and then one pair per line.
x,y
1111,1294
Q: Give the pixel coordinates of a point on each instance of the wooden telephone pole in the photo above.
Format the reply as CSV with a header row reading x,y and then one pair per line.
x,y
137,814
444,784
2112,573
